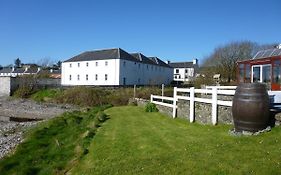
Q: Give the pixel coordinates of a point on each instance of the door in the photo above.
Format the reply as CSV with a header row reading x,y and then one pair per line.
x,y
262,74
256,73
276,75
266,75
124,81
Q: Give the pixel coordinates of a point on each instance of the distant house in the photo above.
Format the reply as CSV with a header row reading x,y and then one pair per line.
x,y
114,67
13,72
184,71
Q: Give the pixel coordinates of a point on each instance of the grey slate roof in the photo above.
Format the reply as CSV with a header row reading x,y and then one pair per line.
x,y
182,65
6,70
267,53
116,53
158,61
19,70
140,57
31,70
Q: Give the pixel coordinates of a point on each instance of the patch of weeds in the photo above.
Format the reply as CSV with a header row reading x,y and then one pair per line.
x,y
151,107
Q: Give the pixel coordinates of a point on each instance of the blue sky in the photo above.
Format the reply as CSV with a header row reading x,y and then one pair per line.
x,y
176,30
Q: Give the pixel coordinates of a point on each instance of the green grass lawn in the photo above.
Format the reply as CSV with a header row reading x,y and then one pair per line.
x,y
55,146
135,142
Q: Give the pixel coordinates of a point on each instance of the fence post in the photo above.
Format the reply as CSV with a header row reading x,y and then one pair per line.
x,y
134,91
162,91
175,103
214,105
151,98
191,105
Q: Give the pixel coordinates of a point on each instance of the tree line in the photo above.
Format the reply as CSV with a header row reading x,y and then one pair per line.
x,y
223,59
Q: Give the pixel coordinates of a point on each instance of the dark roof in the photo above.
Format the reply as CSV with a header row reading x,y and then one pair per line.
x,y
116,53
6,70
182,65
140,57
19,70
267,53
158,61
31,71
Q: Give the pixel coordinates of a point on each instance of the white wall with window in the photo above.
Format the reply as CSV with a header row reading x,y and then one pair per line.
x,y
91,72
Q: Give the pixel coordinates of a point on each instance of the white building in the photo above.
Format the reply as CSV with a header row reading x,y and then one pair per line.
x,y
114,67
14,72
185,71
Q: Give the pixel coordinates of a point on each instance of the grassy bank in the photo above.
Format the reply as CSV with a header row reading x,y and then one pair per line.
x,y
55,146
135,142
86,96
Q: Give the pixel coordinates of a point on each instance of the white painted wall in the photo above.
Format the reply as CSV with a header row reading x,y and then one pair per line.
x,y
182,76
101,69
137,73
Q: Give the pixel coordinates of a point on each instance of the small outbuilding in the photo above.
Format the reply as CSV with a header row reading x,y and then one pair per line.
x,y
264,67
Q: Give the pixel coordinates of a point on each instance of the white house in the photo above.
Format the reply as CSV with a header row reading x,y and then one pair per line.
x,y
114,67
185,71
14,72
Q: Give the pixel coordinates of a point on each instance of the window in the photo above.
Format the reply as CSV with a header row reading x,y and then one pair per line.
x,y
124,63
105,77
106,63
78,77
78,64
87,64
70,77
186,71
177,71
248,73
241,73
87,77
135,63
277,72
96,77
97,63
70,65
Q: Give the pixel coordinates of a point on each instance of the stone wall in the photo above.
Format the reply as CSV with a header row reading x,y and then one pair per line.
x,y
203,111
9,84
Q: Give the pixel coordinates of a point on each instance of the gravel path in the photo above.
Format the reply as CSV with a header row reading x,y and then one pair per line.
x,y
11,133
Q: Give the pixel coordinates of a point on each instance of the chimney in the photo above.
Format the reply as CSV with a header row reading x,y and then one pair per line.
x,y
195,61
167,62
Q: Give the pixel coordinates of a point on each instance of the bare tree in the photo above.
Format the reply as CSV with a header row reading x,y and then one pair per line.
x,y
45,62
224,58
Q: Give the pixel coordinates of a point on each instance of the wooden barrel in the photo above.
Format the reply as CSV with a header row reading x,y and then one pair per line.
x,y
250,108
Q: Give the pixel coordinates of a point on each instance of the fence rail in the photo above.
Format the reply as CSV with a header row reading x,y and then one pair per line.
x,y
190,96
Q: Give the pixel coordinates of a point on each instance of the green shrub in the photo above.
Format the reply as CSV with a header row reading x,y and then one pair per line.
x,y
27,86
101,116
151,107
23,92
45,95
83,96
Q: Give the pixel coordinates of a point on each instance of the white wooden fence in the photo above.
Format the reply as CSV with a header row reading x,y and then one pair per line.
x,y
191,97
